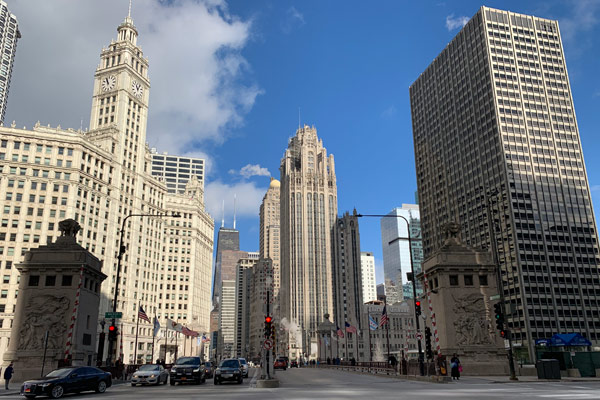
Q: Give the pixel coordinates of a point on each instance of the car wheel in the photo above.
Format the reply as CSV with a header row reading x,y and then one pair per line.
x,y
57,392
101,387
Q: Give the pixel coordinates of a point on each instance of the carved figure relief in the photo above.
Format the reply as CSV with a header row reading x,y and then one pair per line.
x,y
44,313
69,227
471,325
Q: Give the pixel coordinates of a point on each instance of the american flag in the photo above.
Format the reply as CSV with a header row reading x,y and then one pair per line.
x,y
340,333
350,328
384,317
142,315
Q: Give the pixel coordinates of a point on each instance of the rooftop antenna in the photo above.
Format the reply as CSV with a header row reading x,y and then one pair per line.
x,y
298,117
234,210
81,125
223,219
129,12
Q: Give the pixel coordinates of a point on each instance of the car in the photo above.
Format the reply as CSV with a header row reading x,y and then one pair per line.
x,y
229,369
67,380
150,374
209,369
294,364
245,366
280,363
187,369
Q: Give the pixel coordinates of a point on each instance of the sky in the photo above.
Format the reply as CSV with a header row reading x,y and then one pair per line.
x,y
232,80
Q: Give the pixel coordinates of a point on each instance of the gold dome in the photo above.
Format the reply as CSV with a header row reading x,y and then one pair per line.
x,y
274,184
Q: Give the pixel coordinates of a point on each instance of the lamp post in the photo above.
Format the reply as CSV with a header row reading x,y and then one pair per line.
x,y
122,250
414,286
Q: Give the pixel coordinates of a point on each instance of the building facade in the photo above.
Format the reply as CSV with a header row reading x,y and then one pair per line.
x,y
269,229
497,150
308,214
367,267
99,177
9,35
243,285
176,171
397,255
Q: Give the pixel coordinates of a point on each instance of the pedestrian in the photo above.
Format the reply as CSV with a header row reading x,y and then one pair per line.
x,y
8,373
455,367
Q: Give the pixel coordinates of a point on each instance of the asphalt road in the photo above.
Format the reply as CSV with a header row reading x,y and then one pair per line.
x,y
314,384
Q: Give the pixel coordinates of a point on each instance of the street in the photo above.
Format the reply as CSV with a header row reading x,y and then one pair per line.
x,y
312,383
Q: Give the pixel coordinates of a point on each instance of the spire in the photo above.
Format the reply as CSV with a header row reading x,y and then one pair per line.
x,y
129,12
127,30
223,219
234,210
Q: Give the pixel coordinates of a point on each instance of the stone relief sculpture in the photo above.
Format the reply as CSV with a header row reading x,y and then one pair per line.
x,y
471,325
69,227
44,313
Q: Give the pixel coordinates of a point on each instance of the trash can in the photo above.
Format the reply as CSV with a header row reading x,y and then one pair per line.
x,y
548,369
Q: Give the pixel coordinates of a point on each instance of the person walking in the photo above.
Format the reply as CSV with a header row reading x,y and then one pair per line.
x,y
8,373
455,367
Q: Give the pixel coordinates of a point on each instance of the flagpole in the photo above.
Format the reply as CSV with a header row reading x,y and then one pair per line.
x,y
137,328
370,348
387,328
153,337
166,334
346,337
176,345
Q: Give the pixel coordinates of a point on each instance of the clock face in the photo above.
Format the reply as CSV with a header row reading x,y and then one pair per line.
x,y
137,89
108,83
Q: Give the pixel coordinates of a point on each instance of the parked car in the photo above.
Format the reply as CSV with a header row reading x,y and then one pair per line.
x,y
294,364
187,369
67,380
245,367
280,363
230,369
150,374
209,369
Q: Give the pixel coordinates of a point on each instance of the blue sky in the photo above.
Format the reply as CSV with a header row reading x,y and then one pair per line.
x,y
229,77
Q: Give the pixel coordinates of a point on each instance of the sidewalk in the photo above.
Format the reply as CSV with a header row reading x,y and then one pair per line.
x,y
15,387
523,379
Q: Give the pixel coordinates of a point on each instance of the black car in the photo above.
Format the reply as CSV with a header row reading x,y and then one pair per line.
x,y
187,369
230,369
67,380
209,369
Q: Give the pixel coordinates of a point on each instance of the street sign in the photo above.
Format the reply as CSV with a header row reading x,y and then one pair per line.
x,y
268,344
115,315
419,335
495,297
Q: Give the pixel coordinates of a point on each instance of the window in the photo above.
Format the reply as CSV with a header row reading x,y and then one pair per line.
x,y
67,280
453,280
483,280
468,280
50,280
34,280
3,294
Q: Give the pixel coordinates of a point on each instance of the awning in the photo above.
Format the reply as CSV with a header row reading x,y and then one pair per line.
x,y
569,339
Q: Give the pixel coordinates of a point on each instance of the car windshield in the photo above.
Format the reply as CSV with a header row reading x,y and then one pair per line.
x,y
281,360
148,367
60,373
207,364
243,361
230,364
188,361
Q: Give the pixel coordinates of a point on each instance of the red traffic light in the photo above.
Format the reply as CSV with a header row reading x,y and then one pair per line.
x,y
418,303
268,319
112,328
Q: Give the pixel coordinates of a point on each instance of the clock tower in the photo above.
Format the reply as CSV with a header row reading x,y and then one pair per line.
x,y
120,100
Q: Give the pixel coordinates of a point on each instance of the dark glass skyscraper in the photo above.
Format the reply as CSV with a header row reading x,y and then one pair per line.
x,y
497,145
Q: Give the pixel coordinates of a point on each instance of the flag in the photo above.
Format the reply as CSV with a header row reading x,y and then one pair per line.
x,y
326,341
142,315
188,332
384,316
333,336
156,326
340,333
174,326
372,324
204,339
350,328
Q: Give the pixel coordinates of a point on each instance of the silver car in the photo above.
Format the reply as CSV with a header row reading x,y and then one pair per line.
x,y
150,374
245,367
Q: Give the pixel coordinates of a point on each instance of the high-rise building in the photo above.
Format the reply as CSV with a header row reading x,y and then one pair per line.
x,y
261,290
9,34
497,149
99,177
308,214
227,239
396,249
347,279
243,285
367,266
380,292
176,171
269,229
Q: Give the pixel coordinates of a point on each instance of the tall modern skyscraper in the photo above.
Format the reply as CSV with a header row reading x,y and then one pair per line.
x,y
308,214
176,171
497,146
396,249
227,239
367,265
9,34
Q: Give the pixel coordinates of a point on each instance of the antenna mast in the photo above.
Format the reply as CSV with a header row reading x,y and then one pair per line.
x,y
223,219
129,12
234,210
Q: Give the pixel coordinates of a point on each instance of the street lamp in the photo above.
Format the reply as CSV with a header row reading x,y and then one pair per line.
x,y
122,250
414,286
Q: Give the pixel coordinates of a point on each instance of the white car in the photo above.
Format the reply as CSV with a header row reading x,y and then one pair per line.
x,y
245,366
150,374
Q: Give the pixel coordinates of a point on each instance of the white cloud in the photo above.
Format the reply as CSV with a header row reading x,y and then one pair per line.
x,y
595,188
292,19
453,23
389,112
201,83
583,18
248,198
250,170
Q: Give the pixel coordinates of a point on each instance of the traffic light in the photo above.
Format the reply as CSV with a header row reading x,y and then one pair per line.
x,y
268,325
428,349
499,316
418,308
504,334
273,332
113,333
